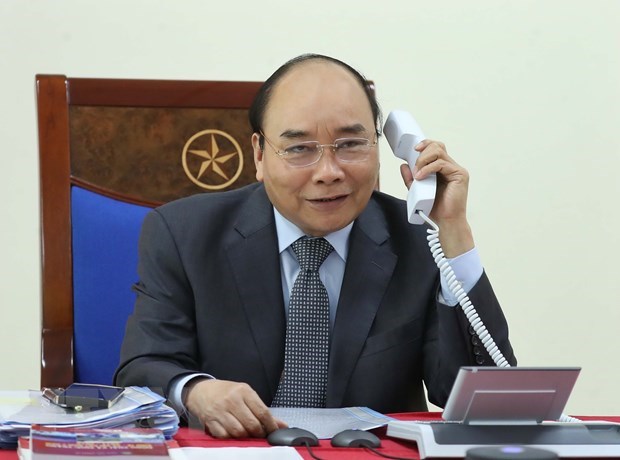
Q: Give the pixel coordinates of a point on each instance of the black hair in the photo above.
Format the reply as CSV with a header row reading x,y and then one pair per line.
x,y
257,110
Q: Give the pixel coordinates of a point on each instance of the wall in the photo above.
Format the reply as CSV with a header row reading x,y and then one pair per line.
x,y
525,94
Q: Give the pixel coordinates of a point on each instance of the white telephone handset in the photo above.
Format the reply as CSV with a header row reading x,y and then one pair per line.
x,y
403,133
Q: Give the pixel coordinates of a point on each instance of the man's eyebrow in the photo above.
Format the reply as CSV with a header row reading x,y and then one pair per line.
x,y
356,128
294,134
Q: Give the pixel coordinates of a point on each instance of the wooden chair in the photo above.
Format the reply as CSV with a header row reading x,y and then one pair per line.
x,y
110,150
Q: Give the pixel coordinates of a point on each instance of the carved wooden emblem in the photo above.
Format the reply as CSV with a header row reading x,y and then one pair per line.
x,y
212,159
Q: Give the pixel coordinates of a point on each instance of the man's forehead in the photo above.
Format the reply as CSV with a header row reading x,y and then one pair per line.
x,y
319,90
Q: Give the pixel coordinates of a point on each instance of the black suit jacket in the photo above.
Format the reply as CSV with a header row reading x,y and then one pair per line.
x,y
210,300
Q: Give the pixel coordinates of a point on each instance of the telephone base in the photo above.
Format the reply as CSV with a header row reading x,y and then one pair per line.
x,y
454,439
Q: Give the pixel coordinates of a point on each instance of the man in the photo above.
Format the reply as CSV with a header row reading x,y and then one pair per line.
x,y
217,270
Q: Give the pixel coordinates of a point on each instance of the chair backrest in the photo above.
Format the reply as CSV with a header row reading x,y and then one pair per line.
x,y
109,151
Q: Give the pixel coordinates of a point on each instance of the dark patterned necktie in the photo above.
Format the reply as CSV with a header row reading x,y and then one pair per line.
x,y
306,352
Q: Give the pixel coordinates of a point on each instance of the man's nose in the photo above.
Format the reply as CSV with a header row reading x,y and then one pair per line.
x,y
328,168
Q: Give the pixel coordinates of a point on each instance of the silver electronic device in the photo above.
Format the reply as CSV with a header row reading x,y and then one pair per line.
x,y
493,406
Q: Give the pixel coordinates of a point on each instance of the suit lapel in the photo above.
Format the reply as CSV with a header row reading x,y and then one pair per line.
x,y
255,264
369,268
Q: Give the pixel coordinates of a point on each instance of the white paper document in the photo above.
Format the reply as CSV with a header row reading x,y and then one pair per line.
x,y
219,453
326,423
235,453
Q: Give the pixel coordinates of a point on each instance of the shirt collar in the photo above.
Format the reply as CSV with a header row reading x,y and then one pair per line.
x,y
288,233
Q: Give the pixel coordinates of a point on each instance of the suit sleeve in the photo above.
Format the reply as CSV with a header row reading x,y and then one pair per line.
x,y
452,342
160,337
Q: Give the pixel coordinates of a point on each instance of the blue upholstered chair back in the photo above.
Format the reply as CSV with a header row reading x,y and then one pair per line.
x,y
105,257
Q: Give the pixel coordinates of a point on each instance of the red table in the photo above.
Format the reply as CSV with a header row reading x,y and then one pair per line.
x,y
195,438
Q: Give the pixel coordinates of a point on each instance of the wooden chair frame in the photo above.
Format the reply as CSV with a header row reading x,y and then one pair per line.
x,y
55,95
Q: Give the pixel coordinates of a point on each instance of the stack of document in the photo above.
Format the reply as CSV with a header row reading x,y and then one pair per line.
x,y
139,406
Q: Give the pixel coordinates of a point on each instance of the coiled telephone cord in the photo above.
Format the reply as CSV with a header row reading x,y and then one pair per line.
x,y
468,307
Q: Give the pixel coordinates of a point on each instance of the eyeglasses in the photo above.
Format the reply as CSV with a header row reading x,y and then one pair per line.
x,y
347,150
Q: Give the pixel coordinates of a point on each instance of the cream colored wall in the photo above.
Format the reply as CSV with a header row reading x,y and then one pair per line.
x,y
526,94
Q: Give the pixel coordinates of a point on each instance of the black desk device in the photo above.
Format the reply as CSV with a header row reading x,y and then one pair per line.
x,y
491,406
292,437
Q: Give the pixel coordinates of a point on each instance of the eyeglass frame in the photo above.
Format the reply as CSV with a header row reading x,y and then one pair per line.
x,y
321,148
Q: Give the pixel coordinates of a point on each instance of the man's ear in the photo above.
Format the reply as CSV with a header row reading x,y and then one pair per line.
x,y
258,156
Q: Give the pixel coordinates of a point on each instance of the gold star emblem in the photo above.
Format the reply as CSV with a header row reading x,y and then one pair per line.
x,y
211,161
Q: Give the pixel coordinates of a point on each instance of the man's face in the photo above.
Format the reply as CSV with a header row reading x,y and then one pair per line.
x,y
317,101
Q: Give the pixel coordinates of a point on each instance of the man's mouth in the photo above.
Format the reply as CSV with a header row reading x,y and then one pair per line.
x,y
329,199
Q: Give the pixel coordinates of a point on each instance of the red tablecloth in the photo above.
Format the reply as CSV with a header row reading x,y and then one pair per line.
x,y
196,438
187,437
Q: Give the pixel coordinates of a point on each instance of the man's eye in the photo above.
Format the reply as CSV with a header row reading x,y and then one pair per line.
x,y
351,144
300,149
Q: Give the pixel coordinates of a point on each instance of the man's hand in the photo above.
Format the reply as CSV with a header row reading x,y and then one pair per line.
x,y
449,209
230,409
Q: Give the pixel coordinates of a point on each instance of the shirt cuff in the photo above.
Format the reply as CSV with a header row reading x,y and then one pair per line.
x,y
175,396
468,269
